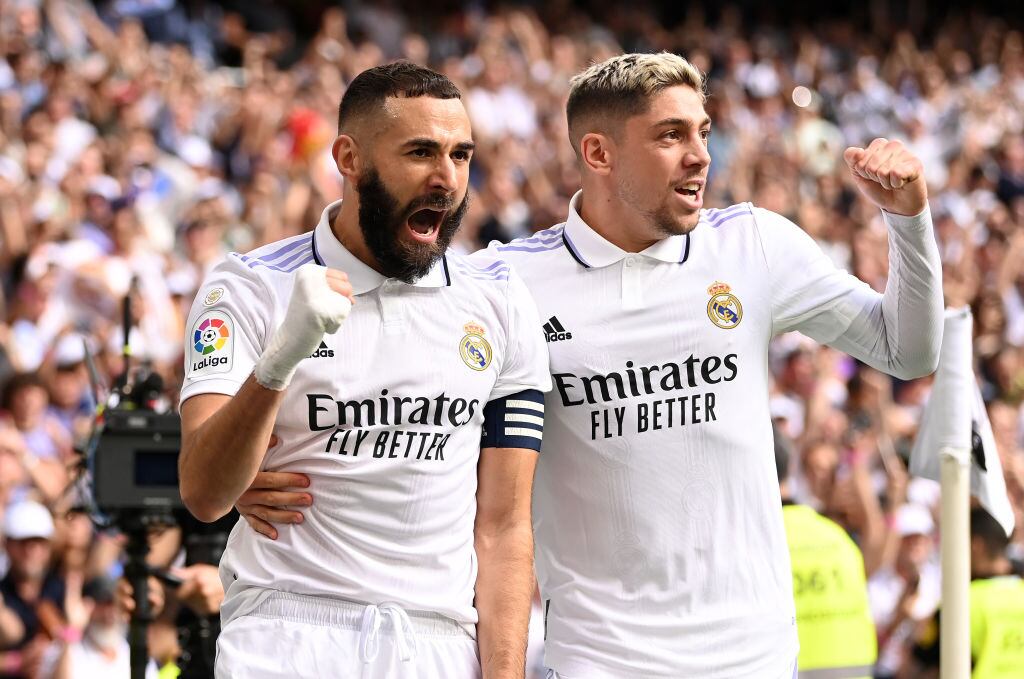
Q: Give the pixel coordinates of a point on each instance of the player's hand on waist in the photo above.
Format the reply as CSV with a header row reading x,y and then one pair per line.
x,y
890,176
274,498
320,302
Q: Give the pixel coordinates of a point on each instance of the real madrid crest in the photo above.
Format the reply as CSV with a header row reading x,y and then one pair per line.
x,y
474,349
724,309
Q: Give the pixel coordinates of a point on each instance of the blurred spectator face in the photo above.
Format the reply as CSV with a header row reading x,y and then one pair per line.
x,y
29,529
654,160
914,524
124,228
798,374
27,402
414,190
202,237
819,464
67,386
31,299
914,551
108,623
30,558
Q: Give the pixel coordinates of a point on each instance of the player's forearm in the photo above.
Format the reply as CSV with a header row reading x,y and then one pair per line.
x,y
901,334
221,456
504,590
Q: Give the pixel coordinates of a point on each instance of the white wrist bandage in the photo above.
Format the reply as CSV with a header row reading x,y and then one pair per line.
x,y
313,310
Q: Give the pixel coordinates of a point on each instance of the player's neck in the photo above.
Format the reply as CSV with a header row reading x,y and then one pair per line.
x,y
614,221
345,227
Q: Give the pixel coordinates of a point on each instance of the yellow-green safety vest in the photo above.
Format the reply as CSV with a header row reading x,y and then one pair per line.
x,y
169,671
997,628
833,619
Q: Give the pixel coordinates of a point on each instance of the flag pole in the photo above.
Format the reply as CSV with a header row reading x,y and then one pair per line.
x,y
955,631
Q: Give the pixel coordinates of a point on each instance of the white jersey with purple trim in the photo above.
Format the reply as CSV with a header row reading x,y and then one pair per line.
x,y
385,418
661,550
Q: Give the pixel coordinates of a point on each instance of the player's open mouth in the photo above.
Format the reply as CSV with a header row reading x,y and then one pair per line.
x,y
425,224
692,193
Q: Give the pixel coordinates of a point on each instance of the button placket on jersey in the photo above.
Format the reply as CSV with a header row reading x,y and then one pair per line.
x,y
393,311
632,282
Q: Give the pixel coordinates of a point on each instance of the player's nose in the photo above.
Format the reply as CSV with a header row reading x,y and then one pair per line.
x,y
444,176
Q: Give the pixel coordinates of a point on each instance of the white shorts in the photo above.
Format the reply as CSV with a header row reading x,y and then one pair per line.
x,y
289,636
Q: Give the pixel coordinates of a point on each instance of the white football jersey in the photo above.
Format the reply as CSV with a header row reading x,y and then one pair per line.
x,y
385,417
661,550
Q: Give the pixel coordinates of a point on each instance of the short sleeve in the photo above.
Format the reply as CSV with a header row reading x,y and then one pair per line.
x,y
808,292
526,355
227,329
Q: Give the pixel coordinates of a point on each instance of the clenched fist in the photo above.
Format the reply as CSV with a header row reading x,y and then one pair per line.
x,y
890,176
320,302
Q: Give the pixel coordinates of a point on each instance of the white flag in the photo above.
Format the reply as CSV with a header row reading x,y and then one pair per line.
x,y
955,419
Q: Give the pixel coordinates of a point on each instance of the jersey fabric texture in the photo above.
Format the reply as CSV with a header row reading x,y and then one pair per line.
x,y
658,523
385,417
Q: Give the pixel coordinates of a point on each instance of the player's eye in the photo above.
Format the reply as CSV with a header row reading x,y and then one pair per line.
x,y
671,135
705,134
461,156
420,153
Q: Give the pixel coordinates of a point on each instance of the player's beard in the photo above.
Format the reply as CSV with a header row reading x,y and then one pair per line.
x,y
662,219
382,220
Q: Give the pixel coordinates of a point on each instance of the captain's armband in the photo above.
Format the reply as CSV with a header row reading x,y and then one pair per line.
x,y
515,421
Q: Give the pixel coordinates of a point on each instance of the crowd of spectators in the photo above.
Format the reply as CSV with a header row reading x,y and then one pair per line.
x,y
142,141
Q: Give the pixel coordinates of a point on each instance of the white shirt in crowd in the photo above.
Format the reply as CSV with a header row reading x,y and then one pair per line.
x,y
88,662
660,543
385,418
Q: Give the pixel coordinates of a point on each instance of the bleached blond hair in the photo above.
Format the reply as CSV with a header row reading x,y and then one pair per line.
x,y
606,94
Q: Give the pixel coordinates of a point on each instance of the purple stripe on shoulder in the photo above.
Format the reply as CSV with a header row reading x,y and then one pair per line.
x,y
501,271
726,212
538,238
285,250
473,267
488,274
554,245
308,258
725,219
298,255
305,259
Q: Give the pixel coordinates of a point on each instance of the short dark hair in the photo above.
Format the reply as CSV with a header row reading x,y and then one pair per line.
x,y
367,92
989,531
621,87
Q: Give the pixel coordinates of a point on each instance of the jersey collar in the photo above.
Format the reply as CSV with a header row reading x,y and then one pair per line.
x,y
591,250
328,251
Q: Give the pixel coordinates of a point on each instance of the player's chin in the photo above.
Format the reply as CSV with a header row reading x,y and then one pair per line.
x,y
677,224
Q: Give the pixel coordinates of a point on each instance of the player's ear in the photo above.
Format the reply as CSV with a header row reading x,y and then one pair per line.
x,y
596,152
348,157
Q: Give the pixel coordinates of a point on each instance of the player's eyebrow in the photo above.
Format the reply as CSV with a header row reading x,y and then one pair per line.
x,y
681,122
434,145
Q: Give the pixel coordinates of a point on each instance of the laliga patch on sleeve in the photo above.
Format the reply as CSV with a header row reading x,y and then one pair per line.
x,y
213,345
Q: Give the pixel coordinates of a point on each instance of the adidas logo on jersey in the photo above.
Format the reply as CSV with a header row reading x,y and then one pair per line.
x,y
554,332
322,351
